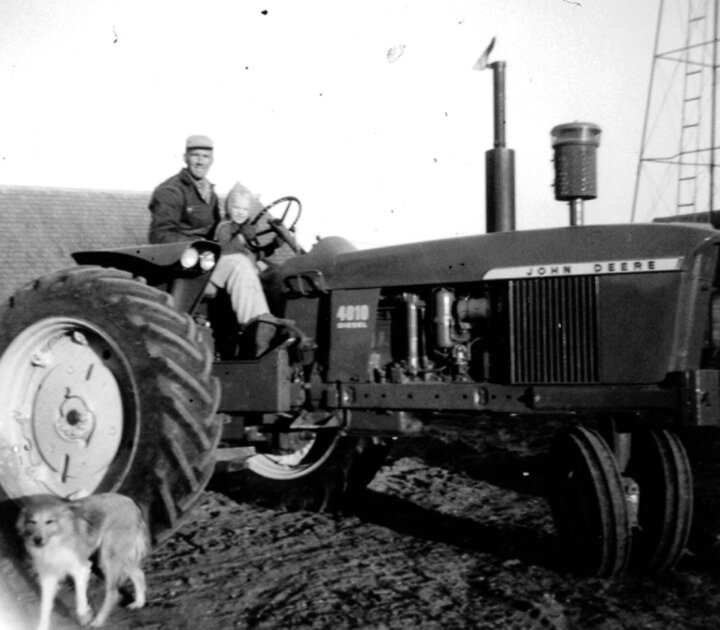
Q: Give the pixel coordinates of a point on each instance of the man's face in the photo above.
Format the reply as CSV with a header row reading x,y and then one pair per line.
x,y
198,162
238,207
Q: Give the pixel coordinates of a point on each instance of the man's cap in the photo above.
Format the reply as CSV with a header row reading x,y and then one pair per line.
x,y
198,142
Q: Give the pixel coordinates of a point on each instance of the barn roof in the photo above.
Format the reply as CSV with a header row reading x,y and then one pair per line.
x,y
41,227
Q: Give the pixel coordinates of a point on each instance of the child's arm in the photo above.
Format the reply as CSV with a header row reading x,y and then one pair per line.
x,y
223,232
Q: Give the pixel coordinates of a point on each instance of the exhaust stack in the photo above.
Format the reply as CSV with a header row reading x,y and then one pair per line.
x,y
499,164
575,158
499,161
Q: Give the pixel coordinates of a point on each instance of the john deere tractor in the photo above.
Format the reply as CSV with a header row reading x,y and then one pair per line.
x,y
122,374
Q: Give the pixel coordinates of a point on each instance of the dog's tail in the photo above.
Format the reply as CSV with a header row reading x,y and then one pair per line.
x,y
138,545
141,544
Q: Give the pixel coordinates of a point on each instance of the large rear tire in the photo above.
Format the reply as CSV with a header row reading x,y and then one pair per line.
x,y
104,387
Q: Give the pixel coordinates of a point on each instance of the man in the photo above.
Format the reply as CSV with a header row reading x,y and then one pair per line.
x,y
185,207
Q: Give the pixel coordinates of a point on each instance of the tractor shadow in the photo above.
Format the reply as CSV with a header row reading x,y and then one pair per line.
x,y
514,541
508,456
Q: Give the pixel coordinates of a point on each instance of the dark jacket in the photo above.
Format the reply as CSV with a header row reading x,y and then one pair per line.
x,y
179,213
227,234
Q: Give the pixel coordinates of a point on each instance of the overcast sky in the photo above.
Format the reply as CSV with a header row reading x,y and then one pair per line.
x,y
368,111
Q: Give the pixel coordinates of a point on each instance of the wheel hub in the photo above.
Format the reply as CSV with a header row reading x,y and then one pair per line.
x,y
76,422
69,398
67,409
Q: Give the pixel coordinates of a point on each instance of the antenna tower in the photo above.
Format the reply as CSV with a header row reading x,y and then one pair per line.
x,y
677,170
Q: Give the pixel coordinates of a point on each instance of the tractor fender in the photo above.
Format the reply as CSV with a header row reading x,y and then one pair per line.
x,y
146,260
164,266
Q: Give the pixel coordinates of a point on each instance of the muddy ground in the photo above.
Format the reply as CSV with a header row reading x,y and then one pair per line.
x,y
453,533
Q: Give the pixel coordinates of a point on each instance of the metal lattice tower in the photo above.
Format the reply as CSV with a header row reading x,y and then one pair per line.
x,y
676,172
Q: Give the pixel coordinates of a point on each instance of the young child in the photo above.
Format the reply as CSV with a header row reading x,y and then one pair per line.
x,y
235,234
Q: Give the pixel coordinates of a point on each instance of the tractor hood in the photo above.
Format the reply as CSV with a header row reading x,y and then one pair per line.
x,y
534,253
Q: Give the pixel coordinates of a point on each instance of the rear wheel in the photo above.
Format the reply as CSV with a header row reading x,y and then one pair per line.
x,y
104,387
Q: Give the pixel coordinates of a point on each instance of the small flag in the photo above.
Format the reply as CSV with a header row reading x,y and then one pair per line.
x,y
482,63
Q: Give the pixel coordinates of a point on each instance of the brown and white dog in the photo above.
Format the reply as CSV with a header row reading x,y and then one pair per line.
x,y
62,536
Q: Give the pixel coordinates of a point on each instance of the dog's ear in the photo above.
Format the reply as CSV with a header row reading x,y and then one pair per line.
x,y
25,508
21,522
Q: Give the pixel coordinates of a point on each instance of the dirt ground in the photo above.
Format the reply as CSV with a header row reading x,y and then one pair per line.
x,y
453,533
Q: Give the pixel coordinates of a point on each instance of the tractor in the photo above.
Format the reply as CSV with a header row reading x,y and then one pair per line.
x,y
122,374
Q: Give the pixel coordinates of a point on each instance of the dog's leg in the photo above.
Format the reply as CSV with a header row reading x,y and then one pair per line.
x,y
138,579
81,578
48,590
112,595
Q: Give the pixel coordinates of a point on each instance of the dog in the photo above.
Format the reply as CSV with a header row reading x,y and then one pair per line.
x,y
62,538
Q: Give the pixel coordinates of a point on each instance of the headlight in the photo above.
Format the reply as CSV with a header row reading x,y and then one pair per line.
x,y
189,258
207,261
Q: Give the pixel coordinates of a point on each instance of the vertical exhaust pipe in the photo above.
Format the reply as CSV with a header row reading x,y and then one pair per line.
x,y
499,164
499,161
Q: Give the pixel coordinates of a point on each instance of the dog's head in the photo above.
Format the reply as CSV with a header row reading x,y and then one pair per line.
x,y
43,518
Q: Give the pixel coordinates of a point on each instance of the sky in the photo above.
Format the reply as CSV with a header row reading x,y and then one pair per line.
x,y
368,111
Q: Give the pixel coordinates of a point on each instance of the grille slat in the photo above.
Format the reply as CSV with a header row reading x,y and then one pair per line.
x,y
553,330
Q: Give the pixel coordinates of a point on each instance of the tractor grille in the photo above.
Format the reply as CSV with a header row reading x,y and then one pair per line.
x,y
553,330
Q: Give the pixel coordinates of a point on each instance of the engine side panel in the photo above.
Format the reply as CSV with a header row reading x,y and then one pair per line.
x,y
637,316
351,334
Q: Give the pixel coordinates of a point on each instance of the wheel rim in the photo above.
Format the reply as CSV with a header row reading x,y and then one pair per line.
x,y
660,466
62,409
306,451
588,503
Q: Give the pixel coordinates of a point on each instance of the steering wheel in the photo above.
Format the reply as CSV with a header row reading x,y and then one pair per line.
x,y
278,225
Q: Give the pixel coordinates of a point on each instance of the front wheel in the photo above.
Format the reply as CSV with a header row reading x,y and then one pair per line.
x,y
660,466
104,387
588,503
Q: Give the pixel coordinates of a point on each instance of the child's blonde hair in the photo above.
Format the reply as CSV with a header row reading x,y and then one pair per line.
x,y
238,190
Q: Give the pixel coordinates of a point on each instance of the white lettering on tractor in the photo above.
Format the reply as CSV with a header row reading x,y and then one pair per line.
x,y
600,267
550,270
353,316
